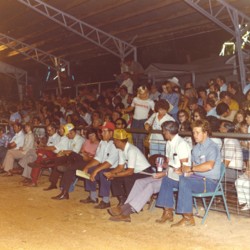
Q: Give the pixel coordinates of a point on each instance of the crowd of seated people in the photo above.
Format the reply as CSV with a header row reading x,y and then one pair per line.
x,y
72,134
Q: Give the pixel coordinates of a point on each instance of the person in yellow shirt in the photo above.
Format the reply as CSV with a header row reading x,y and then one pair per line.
x,y
226,97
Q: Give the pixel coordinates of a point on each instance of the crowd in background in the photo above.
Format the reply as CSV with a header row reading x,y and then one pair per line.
x,y
131,105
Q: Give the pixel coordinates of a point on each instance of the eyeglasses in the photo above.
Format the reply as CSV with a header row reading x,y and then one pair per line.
x,y
181,115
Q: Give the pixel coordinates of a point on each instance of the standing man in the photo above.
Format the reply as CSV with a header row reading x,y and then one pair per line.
x,y
131,162
106,157
221,81
202,176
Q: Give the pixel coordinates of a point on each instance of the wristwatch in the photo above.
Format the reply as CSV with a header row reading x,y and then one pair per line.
x,y
192,169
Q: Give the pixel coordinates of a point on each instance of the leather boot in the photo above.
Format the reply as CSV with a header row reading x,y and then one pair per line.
x,y
121,200
62,196
166,216
187,220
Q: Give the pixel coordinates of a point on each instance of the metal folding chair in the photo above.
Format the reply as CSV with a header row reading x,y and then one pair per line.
x,y
217,192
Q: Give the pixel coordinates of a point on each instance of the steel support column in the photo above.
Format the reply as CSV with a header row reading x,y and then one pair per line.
x,y
216,12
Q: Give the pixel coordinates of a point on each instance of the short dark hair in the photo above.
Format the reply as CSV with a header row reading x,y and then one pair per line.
x,y
223,94
91,131
211,102
171,126
162,103
234,85
229,126
223,78
222,108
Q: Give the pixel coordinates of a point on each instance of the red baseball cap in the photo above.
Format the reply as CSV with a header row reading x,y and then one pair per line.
x,y
108,125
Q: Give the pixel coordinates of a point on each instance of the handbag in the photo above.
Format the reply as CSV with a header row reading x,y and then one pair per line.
x,y
146,140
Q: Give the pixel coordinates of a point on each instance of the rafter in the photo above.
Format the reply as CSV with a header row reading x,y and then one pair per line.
x,y
102,39
32,52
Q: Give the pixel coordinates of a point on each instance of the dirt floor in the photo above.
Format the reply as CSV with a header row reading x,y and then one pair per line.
x,y
30,219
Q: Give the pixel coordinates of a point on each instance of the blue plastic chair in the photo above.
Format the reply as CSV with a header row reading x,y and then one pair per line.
x,y
217,192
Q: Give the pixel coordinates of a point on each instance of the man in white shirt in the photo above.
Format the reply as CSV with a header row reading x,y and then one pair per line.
x,y
131,163
177,152
127,82
221,81
16,142
106,158
74,144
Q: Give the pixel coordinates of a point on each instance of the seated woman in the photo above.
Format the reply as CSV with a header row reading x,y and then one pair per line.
x,y
77,161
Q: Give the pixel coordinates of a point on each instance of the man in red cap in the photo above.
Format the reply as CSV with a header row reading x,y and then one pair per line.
x,y
106,158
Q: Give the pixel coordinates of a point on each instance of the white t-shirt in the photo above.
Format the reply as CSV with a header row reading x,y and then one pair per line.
x,y
132,157
142,108
129,84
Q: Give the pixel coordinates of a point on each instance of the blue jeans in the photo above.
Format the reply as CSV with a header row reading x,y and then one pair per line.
x,y
188,186
104,184
166,195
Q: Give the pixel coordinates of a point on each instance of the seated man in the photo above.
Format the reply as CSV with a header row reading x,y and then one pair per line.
x,y
225,113
17,154
77,161
4,141
16,143
131,163
177,152
202,176
75,142
105,159
34,158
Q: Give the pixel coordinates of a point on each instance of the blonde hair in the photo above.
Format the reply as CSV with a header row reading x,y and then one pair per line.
x,y
142,90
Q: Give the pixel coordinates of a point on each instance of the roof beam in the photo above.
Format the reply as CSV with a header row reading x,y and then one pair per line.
x,y
29,51
102,39
238,19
